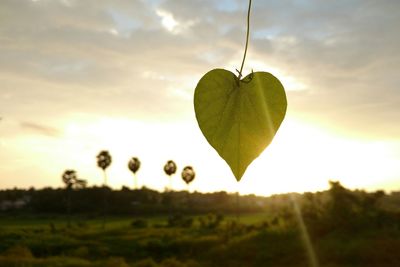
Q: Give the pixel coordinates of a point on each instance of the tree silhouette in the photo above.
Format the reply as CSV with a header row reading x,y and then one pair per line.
x,y
188,175
71,181
69,177
80,184
170,169
103,161
134,166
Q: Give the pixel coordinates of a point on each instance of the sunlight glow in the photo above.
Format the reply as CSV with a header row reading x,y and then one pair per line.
x,y
312,257
172,25
302,157
289,82
167,20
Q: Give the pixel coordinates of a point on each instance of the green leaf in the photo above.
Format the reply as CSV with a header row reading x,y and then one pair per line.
x,y
239,118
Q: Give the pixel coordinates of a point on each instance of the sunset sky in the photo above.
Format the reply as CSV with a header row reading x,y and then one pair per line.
x,y
77,77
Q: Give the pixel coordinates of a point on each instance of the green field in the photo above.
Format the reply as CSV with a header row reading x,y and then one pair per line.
x,y
338,227
113,222
253,240
152,241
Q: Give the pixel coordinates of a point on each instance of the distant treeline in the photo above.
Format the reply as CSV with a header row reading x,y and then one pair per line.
x,y
124,201
89,201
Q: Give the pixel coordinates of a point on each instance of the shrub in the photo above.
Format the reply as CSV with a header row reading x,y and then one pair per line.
x,y
139,223
80,252
172,263
180,221
18,252
145,263
211,221
116,262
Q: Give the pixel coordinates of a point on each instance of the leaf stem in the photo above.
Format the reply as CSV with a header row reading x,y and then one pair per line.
x,y
247,40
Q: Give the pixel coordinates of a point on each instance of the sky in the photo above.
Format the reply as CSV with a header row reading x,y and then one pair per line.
x,y
78,77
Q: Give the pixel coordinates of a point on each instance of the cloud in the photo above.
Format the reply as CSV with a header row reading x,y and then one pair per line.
x,y
40,129
68,64
346,55
93,56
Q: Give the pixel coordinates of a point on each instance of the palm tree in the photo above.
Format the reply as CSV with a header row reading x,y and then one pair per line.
x,y
103,161
188,175
134,165
170,169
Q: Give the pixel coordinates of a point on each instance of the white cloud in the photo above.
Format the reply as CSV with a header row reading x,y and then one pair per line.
x,y
334,55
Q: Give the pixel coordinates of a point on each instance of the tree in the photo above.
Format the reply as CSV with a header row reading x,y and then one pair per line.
x,y
134,166
69,177
80,184
188,175
103,161
170,169
71,181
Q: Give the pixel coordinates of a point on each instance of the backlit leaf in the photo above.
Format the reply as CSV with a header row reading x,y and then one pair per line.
x,y
239,118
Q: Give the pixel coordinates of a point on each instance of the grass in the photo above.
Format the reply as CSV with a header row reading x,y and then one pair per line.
x,y
111,222
45,241
34,242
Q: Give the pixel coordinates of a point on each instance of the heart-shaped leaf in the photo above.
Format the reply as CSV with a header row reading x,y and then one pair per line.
x,y
239,118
